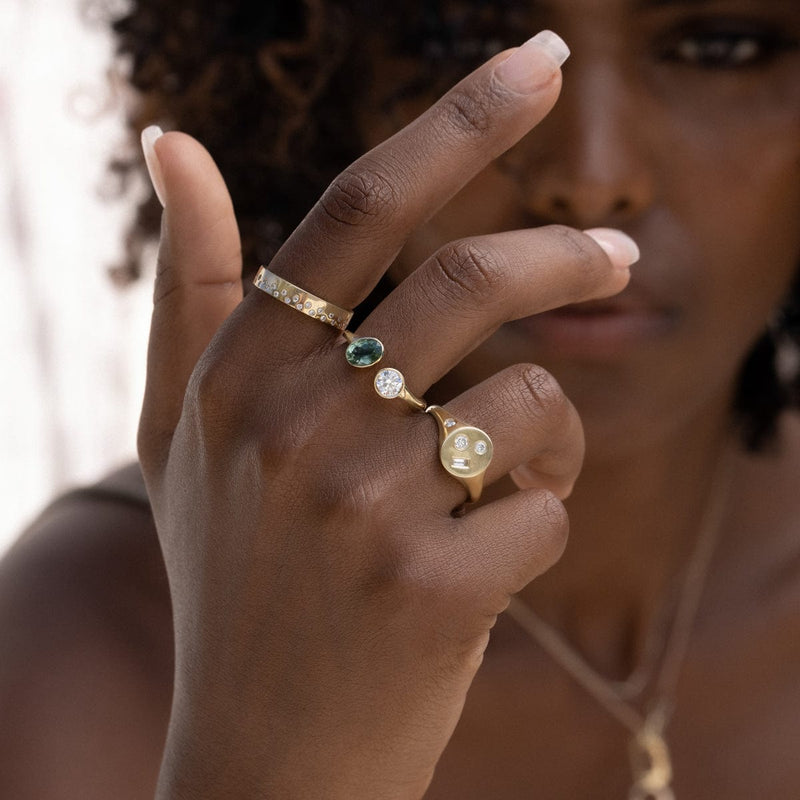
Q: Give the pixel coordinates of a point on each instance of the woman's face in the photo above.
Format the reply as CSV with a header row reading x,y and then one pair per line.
x,y
679,122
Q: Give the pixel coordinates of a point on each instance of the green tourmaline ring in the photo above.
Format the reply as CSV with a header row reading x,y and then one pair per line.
x,y
366,351
363,351
464,450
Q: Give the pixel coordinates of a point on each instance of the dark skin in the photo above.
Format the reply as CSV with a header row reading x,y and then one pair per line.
x,y
654,404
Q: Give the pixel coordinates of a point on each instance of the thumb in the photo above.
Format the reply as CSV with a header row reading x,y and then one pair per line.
x,y
198,279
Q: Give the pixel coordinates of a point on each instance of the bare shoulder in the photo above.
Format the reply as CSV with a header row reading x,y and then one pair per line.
x,y
86,661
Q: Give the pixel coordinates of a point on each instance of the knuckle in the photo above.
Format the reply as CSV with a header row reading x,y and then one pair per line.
x,y
412,573
166,283
541,393
358,196
208,393
346,497
472,112
556,523
582,253
469,269
151,445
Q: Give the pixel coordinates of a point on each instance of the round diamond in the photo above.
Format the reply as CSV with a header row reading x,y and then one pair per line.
x,y
449,423
312,312
364,352
461,442
481,447
389,383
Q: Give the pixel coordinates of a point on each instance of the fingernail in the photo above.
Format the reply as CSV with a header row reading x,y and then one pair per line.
x,y
149,137
621,249
520,70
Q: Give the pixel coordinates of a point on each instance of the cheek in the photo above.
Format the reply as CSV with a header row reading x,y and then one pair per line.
x,y
743,207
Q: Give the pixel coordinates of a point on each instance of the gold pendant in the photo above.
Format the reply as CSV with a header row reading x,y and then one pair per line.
x,y
651,764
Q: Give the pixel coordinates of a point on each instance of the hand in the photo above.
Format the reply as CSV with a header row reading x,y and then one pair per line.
x,y
330,612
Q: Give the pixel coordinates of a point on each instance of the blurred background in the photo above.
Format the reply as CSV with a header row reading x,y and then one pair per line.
x,y
72,343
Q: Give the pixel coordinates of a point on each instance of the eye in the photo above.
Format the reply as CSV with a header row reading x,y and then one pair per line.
x,y
719,51
726,49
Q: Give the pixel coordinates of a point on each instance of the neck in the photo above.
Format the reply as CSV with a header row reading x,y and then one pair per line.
x,y
634,522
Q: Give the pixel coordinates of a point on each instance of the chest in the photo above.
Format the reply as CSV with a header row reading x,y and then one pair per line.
x,y
529,731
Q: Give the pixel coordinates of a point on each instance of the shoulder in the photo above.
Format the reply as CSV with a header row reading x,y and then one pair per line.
x,y
86,663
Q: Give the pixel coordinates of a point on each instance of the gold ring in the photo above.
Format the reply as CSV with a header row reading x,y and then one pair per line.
x,y
366,351
464,450
301,300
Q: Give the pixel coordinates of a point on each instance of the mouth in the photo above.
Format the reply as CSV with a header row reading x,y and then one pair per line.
x,y
605,328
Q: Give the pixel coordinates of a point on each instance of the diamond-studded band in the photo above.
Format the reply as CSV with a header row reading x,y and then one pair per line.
x,y
464,450
301,300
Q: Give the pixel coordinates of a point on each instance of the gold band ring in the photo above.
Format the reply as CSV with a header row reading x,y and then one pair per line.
x,y
464,450
301,300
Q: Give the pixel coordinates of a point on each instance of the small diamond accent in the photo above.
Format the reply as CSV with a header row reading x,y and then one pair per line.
x,y
283,291
389,383
287,300
312,312
459,463
299,306
296,298
461,442
449,423
276,293
308,304
481,447
323,317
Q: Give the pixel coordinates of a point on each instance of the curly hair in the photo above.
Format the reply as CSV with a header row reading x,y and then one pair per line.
x,y
272,89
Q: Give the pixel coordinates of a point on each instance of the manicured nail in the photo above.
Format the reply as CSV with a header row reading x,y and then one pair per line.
x,y
621,249
520,71
149,137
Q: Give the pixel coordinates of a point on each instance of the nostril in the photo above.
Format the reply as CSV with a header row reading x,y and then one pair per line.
x,y
622,206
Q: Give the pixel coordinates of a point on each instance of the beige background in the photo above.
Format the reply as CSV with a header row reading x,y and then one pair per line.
x,y
71,344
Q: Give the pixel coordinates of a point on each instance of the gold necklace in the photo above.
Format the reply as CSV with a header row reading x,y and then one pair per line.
x,y
651,762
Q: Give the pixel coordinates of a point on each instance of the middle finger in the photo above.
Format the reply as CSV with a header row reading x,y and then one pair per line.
x,y
354,231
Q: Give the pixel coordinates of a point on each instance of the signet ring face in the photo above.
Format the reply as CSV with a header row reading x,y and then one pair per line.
x,y
464,450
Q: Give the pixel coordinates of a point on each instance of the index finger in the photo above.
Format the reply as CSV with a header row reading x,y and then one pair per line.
x,y
352,234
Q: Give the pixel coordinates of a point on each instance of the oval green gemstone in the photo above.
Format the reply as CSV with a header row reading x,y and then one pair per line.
x,y
364,352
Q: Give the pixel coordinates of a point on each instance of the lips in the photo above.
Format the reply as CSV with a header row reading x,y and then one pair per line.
x,y
605,328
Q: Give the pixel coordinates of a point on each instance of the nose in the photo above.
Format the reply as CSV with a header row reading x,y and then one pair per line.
x,y
588,164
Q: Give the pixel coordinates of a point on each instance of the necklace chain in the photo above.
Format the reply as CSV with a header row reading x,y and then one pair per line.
x,y
650,755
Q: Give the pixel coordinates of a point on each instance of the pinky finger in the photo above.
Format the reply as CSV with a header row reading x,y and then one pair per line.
x,y
513,540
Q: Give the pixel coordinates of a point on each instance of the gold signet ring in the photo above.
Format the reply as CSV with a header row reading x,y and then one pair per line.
x,y
464,450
